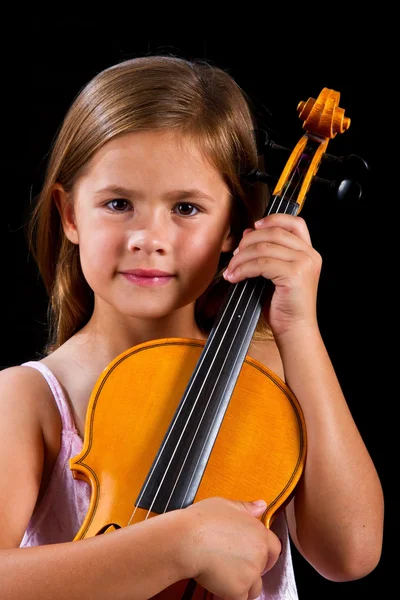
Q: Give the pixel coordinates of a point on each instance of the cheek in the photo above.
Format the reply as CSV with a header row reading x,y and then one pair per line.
x,y
98,250
203,253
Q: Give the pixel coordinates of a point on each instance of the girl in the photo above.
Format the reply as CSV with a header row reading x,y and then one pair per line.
x,y
144,203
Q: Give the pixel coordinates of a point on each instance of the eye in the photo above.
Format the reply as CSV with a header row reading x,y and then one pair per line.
x,y
118,205
186,210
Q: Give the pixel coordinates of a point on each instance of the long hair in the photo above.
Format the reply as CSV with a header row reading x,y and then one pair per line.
x,y
193,98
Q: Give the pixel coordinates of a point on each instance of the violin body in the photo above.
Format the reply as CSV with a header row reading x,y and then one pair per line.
x,y
259,451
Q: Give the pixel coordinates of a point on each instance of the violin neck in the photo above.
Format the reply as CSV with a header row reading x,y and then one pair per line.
x,y
279,204
238,316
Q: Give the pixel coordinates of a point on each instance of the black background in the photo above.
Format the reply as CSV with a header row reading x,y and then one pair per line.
x,y
352,304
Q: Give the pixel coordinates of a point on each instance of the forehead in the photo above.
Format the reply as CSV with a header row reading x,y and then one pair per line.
x,y
152,158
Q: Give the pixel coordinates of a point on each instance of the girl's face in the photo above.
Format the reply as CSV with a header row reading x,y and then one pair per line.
x,y
151,217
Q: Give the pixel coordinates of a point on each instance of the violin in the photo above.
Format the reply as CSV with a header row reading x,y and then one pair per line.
x,y
197,419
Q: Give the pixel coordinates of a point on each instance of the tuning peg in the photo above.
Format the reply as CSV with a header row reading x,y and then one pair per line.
x,y
346,189
260,176
257,175
356,163
349,190
353,164
264,143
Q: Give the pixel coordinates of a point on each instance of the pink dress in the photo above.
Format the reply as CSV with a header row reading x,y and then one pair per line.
x,y
62,509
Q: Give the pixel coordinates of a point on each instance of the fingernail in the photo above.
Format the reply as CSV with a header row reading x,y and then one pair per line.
x,y
260,503
227,275
235,251
258,223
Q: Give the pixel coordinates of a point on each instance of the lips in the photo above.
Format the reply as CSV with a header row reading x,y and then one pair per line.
x,y
147,277
146,273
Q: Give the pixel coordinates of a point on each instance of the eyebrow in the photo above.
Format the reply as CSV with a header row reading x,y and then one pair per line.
x,y
192,193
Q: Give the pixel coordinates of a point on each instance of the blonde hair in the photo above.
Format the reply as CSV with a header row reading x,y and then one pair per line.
x,y
195,99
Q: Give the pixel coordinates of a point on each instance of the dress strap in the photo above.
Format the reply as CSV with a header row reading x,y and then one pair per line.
x,y
64,407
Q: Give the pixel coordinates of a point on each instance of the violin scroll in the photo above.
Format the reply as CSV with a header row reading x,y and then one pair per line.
x,y
323,120
323,116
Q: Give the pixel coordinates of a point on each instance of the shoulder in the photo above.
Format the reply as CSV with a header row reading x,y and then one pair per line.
x,y
25,393
24,382
24,404
267,353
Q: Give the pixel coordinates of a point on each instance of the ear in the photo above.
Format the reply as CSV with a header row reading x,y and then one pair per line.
x,y
65,207
229,243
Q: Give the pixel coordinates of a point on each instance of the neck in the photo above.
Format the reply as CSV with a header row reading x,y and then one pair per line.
x,y
112,333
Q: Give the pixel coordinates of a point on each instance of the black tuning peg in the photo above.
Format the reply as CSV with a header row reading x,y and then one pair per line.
x,y
349,190
257,175
349,170
353,165
264,143
346,189
353,162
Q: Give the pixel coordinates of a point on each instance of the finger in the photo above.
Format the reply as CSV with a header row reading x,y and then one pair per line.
x,y
274,551
255,508
255,590
261,250
269,268
273,235
295,225
247,231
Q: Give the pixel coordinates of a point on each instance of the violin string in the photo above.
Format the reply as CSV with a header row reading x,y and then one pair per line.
x,y
281,198
240,348
211,393
195,403
288,184
219,404
244,287
182,404
206,407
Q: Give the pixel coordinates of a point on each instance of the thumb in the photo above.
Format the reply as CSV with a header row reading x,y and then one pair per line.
x,y
255,508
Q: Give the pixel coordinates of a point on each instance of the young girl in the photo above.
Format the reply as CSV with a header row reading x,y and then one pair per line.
x,y
145,200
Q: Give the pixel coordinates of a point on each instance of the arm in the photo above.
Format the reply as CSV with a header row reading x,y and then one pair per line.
x,y
336,518
136,562
133,562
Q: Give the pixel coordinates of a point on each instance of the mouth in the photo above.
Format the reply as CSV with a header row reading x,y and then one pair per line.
x,y
143,277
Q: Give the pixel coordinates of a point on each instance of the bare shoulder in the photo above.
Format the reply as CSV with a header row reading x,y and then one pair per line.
x,y
24,400
24,390
267,353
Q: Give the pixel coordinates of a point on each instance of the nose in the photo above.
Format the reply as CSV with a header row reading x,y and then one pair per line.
x,y
150,237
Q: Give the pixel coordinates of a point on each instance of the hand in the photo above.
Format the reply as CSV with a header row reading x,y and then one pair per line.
x,y
280,249
228,547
